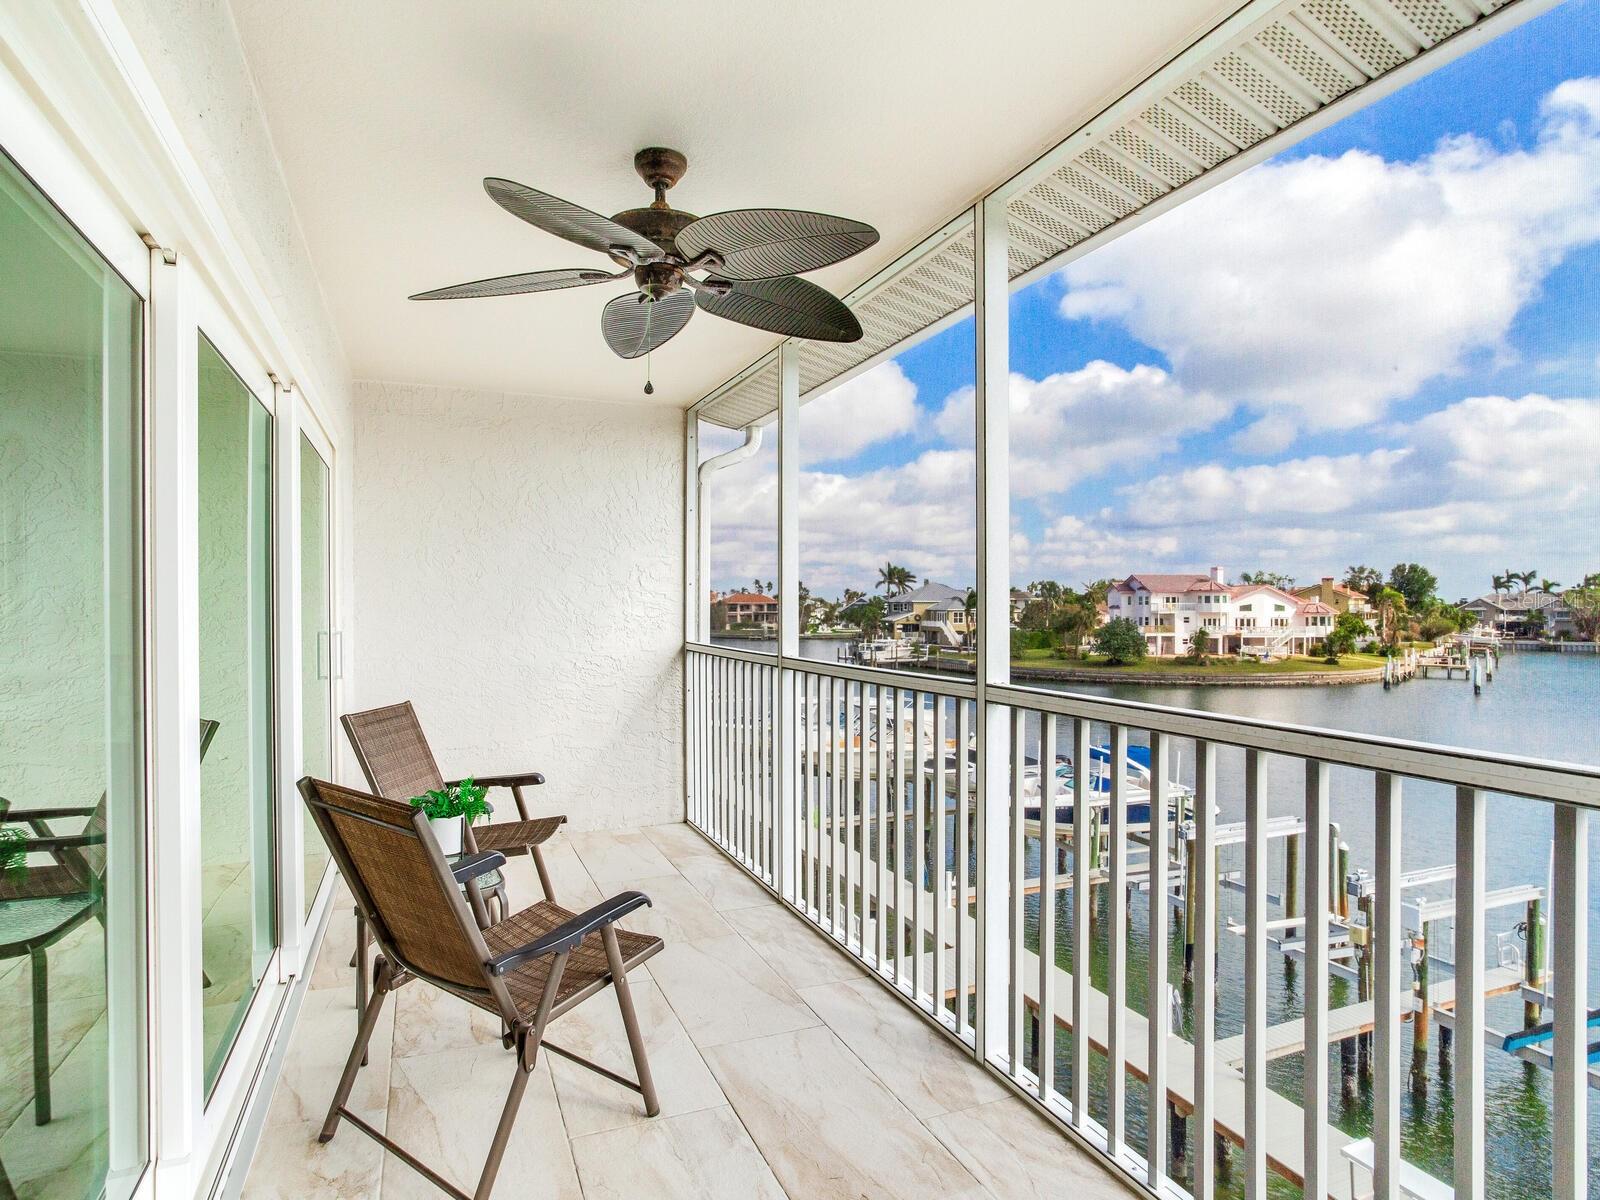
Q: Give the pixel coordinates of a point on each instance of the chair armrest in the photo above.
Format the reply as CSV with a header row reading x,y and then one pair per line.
x,y
478,864
516,779
569,934
68,841
18,815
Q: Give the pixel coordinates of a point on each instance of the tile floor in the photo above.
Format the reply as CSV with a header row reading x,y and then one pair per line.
x,y
782,1069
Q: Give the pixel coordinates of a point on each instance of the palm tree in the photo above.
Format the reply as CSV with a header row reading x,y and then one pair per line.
x,y
1526,578
1502,583
1391,607
1549,586
895,581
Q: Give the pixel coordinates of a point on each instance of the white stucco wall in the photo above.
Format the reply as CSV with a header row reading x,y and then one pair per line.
x,y
519,574
193,52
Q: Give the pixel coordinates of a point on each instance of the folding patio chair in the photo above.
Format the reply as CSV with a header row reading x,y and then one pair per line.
x,y
47,901
528,969
395,757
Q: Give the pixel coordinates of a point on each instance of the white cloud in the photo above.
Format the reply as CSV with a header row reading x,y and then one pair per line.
x,y
1487,478
1078,424
874,406
1323,289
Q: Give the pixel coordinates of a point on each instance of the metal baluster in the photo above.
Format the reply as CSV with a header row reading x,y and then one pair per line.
x,y
850,760
963,859
806,797
1255,973
1202,1138
833,807
1319,901
1387,998
919,873
1047,906
828,767
752,670
1159,1011
940,875
898,829
741,671
1016,909
1082,898
884,727
1570,931
1117,948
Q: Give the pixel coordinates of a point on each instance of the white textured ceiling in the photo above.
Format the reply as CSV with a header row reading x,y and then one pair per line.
x,y
388,115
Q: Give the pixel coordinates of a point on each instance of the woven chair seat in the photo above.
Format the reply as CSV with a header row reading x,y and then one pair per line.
x,y
25,921
44,881
585,965
514,837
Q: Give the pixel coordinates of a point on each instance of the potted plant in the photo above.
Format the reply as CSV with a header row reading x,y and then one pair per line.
x,y
450,809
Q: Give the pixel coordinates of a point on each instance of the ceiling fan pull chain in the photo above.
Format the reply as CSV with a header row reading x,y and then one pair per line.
x,y
649,388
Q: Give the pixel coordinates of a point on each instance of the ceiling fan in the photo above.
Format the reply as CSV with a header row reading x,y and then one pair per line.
x,y
739,265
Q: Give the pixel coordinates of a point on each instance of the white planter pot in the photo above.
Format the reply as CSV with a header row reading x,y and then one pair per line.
x,y
447,832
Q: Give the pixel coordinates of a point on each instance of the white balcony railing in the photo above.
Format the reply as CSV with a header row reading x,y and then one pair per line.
x,y
855,794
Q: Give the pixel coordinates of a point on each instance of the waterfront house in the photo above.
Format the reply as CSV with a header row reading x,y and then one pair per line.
x,y
249,488
1254,619
1337,596
744,610
1529,613
935,613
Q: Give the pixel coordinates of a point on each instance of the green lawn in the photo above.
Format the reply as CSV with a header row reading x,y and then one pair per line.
x,y
1217,666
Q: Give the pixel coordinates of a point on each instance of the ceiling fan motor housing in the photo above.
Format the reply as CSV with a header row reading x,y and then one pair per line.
x,y
658,279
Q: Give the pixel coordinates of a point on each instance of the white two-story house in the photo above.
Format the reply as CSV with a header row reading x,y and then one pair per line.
x,y
1241,618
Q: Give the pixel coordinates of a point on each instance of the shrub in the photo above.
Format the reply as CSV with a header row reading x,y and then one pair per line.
x,y
1120,641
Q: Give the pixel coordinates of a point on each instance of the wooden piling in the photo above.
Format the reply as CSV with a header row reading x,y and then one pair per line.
x,y
1291,876
1533,963
1419,1032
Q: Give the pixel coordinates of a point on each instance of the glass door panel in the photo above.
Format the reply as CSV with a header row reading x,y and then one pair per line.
x,y
236,807
72,922
316,647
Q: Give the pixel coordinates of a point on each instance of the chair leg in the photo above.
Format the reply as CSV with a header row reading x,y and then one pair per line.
x,y
362,964
630,1021
358,1052
544,873
502,1133
41,1037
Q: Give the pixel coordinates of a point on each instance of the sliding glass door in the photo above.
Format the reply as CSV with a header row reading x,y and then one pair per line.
x,y
317,649
237,814
72,1113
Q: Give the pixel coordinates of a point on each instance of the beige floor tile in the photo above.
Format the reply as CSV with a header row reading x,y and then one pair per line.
x,y
65,1157
677,912
428,1020
723,884
444,1108
290,1164
700,1155
332,968
616,860
680,842
318,1048
1017,1155
920,1066
792,948
594,1029
723,991
828,1127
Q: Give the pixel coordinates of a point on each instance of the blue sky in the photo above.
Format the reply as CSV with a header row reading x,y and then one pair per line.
x,y
1381,345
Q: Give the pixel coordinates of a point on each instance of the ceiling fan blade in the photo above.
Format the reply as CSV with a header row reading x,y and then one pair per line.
x,y
788,306
516,285
565,219
633,325
763,243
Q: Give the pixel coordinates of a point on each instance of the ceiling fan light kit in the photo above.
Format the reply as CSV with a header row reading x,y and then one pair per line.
x,y
739,265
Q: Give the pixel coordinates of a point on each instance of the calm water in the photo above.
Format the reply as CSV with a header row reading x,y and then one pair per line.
x,y
1539,705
